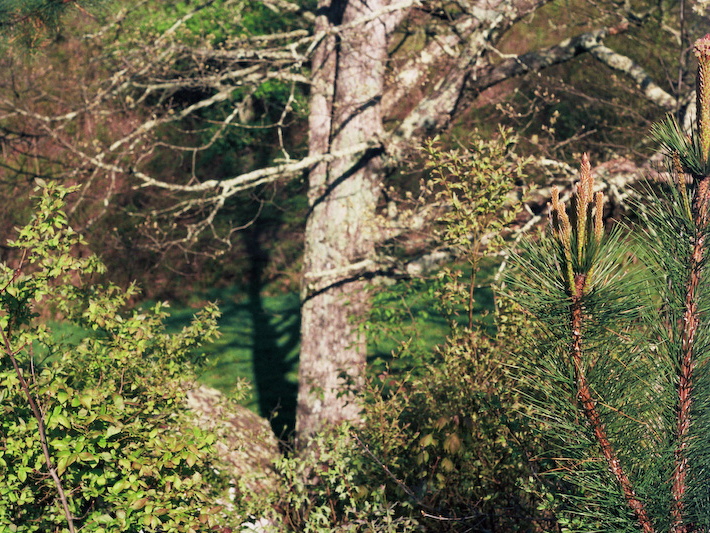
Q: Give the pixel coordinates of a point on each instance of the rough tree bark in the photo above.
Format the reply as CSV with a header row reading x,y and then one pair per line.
x,y
349,98
348,82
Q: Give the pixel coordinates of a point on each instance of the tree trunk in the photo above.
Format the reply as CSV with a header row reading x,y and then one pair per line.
x,y
348,79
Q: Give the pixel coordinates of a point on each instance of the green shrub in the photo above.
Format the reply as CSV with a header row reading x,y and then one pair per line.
x,y
448,437
325,487
93,434
452,439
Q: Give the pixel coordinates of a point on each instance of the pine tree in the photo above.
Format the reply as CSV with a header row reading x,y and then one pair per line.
x,y
619,372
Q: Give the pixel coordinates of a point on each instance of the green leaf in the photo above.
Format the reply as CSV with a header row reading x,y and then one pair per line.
x,y
86,400
452,443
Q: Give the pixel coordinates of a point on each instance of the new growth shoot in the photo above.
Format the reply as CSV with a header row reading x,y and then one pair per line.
x,y
621,367
581,244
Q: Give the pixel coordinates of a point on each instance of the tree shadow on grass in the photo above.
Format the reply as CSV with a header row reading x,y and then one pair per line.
x,y
275,339
259,340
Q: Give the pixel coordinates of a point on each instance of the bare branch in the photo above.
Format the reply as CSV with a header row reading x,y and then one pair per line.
x,y
643,80
458,56
433,112
260,176
539,59
283,5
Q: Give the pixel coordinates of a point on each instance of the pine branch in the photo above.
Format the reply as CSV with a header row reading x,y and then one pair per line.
x,y
689,328
646,414
586,235
588,403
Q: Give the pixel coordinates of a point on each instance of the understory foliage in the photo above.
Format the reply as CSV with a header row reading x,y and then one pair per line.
x,y
618,366
94,435
323,488
447,437
327,488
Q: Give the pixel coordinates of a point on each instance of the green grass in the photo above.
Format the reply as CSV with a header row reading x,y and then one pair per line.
x,y
407,321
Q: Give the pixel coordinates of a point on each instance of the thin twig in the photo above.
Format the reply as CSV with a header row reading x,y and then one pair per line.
x,y
394,478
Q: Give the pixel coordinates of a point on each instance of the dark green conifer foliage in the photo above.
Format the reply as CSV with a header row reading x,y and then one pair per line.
x,y
30,21
619,373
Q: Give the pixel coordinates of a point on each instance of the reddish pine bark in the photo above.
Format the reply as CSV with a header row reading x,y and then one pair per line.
x,y
689,327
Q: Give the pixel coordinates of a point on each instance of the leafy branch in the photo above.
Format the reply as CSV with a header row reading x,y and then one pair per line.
x,y
40,428
107,404
32,402
477,189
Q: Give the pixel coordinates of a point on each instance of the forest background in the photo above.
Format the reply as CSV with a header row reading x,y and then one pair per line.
x,y
269,155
